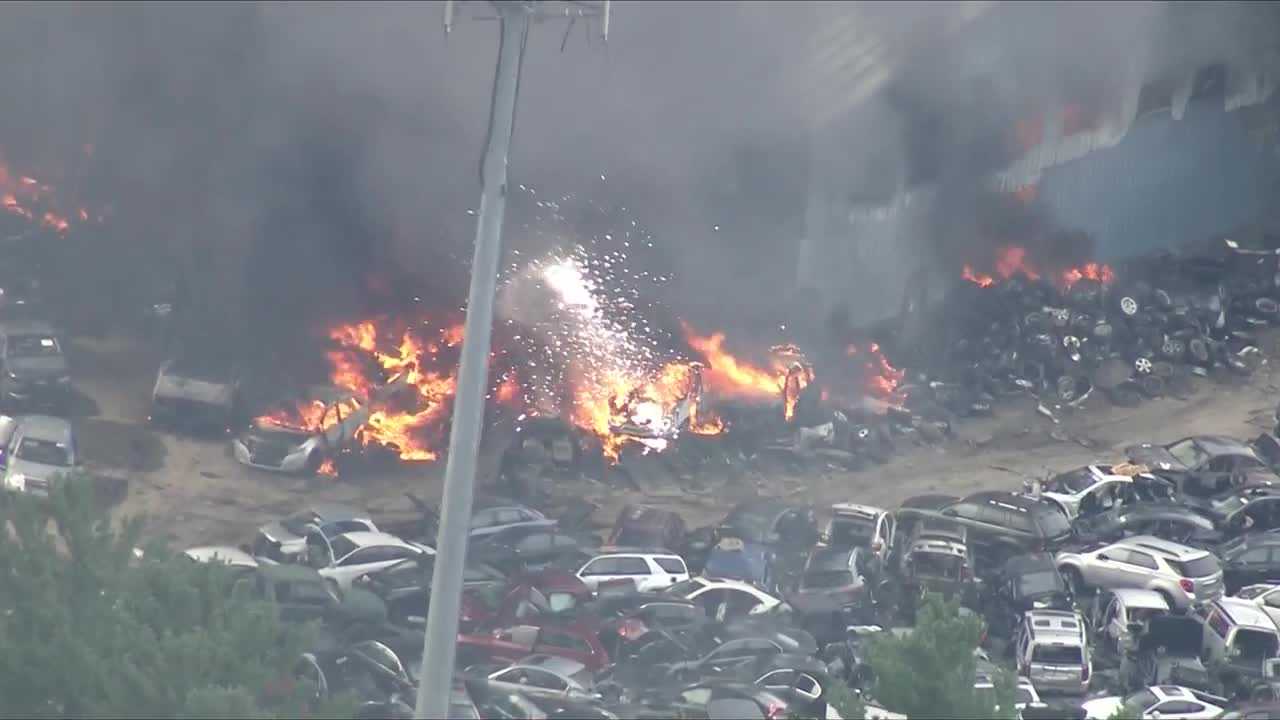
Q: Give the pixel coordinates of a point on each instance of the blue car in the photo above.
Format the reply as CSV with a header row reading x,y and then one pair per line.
x,y
736,559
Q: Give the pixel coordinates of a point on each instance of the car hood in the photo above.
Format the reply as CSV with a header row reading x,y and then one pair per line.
x,y
1102,708
276,532
35,470
38,368
1153,456
204,391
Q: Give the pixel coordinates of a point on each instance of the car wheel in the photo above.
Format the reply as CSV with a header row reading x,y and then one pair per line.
x,y
1168,599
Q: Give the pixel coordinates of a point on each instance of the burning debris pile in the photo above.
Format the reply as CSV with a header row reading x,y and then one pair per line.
x,y
1061,334
33,205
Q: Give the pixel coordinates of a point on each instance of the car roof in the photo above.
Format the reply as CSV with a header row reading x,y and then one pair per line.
x,y
1165,548
865,511
1245,613
1222,445
367,538
45,427
1004,497
1135,598
554,663
1171,692
1058,624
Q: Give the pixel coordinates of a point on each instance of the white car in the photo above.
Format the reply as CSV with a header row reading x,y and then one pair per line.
x,y
37,450
1166,702
725,599
1264,596
649,570
224,554
345,557
1098,482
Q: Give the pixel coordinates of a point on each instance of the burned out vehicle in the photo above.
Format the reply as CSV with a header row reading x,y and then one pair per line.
x,y
33,366
1210,455
1170,521
937,559
645,419
1169,650
861,526
1098,488
195,390
1124,612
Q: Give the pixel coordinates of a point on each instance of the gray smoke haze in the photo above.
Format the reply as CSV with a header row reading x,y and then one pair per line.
x,y
281,152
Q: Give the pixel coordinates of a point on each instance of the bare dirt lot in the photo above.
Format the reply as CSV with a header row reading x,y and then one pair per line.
x,y
191,491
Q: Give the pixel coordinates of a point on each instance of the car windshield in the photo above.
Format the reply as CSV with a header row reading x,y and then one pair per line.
x,y
1071,482
1202,566
827,579
1040,583
1188,452
937,565
683,589
1255,645
43,452
852,531
33,346
1052,521
1136,704
1056,655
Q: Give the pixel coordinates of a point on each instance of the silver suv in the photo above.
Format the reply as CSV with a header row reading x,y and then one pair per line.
x,y
1052,651
1185,576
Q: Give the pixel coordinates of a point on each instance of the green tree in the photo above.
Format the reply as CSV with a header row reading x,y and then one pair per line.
x,y
87,629
929,672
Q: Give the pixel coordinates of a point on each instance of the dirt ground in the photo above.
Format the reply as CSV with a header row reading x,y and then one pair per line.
x,y
191,491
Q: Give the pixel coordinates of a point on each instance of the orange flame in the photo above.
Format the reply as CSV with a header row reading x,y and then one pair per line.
x,y
981,280
882,379
1090,271
327,468
797,379
729,376
619,399
18,195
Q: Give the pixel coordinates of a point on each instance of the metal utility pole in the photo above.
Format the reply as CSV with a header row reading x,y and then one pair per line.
x,y
436,678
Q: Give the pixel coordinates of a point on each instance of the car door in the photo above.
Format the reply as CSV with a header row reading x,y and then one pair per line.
x,y
670,570
600,570
1250,567
636,569
1138,568
1109,568
1171,709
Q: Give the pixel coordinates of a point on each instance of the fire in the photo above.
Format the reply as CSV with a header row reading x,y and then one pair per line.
x,y
32,200
619,406
727,375
400,428
327,468
314,416
981,280
1090,271
882,379
1011,260
509,392
798,377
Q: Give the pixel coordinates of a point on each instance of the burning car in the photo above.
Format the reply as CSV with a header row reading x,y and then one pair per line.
x,y
302,439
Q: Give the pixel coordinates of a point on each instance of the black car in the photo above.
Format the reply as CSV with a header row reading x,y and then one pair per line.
x,y
1000,524
1251,559
643,526
412,578
1171,521
1026,582
788,530
1215,459
629,616
716,699
527,549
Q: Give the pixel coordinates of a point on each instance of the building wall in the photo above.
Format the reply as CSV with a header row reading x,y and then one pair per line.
x,y
1159,180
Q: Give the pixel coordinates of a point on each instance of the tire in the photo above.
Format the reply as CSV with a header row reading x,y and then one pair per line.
x,y
1169,599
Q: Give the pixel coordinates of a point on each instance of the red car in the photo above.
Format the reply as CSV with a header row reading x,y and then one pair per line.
x,y
577,639
522,599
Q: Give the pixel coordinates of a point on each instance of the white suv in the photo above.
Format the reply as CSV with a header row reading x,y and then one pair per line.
x,y
1052,651
650,570
1183,575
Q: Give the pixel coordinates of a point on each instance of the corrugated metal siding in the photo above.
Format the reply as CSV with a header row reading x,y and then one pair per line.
x,y
1167,182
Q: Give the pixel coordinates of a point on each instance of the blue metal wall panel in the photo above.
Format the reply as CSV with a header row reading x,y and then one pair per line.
x,y
1167,182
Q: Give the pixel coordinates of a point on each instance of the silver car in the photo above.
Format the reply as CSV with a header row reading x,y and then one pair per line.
x,y
545,676
1183,575
38,449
